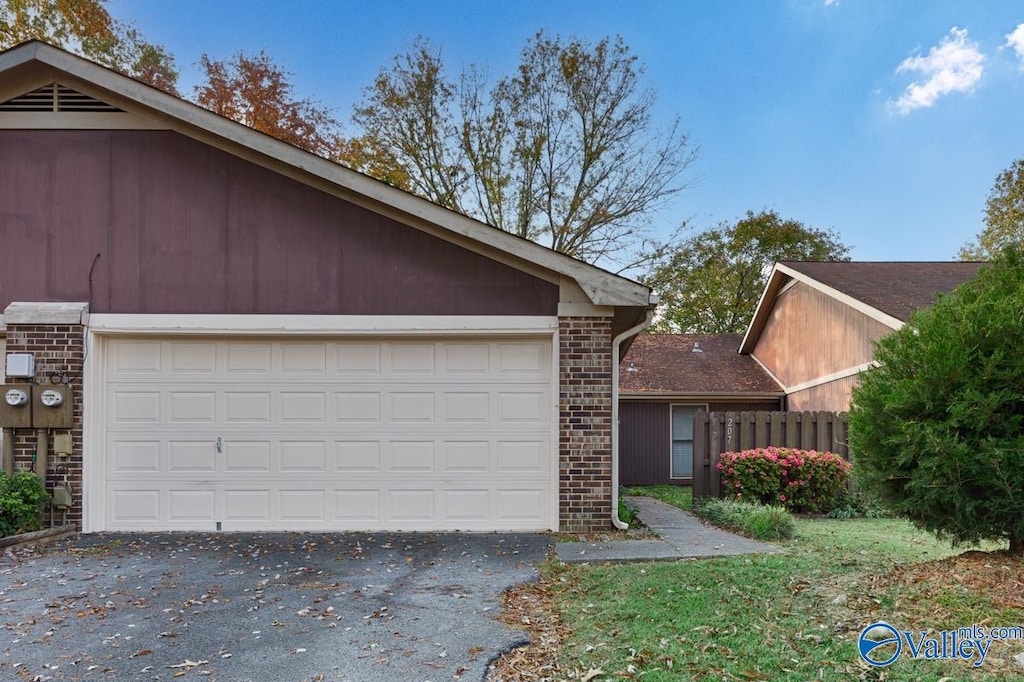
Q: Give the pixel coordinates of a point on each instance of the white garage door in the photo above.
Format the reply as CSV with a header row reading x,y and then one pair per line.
x,y
329,435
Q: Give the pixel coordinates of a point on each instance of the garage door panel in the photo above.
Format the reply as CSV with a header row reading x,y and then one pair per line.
x,y
134,407
248,358
461,360
134,358
361,407
410,456
520,505
410,504
247,505
135,505
304,504
465,456
357,456
251,407
526,406
360,507
191,456
303,358
322,435
461,407
192,407
305,456
134,456
250,455
358,359
411,407
193,358
192,505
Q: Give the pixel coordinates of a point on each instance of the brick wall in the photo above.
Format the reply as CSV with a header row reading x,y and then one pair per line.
x,y
58,351
585,423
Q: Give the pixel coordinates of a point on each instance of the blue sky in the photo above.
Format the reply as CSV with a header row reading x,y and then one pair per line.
x,y
885,120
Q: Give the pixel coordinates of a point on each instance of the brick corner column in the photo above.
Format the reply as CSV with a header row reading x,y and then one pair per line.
x,y
56,339
585,423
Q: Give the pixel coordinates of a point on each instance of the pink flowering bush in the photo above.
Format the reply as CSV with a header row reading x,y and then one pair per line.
x,y
799,480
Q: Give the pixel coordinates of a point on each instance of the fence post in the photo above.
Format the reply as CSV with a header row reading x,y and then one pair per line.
x,y
701,456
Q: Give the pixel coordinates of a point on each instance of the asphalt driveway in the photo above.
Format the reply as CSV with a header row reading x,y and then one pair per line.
x,y
264,607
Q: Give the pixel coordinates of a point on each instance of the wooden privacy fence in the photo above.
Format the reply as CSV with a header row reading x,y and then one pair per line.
x,y
718,432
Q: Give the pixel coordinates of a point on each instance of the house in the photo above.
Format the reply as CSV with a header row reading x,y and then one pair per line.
x,y
816,323
664,379
811,335
256,338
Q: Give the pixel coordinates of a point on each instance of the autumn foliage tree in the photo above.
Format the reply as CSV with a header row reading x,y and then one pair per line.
x,y
256,92
710,282
86,27
563,151
1004,216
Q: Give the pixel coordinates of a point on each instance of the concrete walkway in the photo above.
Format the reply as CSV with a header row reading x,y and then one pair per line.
x,y
682,536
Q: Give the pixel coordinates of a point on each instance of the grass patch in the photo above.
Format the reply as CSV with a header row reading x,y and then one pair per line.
x,y
677,495
789,616
759,521
627,512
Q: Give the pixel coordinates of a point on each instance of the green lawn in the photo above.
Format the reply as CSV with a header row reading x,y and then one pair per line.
x,y
789,616
679,495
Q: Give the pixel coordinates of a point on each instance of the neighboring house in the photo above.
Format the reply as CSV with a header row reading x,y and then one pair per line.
x,y
811,335
816,323
663,380
261,339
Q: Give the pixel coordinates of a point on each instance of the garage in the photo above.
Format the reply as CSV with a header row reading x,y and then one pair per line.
x,y
318,434
257,338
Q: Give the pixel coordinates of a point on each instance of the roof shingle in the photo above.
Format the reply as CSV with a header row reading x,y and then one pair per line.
x,y
895,288
672,363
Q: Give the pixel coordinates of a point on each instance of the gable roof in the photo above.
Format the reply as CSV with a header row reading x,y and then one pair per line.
x,y
697,364
889,292
27,67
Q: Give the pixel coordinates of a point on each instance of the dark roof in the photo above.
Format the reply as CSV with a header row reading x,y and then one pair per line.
x,y
895,288
667,363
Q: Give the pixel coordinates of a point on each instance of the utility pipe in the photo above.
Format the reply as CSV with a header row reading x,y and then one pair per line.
x,y
42,452
8,450
616,342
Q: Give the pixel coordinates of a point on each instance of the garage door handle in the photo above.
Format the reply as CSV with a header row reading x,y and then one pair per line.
x,y
220,444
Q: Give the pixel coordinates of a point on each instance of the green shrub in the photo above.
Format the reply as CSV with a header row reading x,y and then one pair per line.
x,y
858,505
627,512
22,497
799,480
757,520
938,426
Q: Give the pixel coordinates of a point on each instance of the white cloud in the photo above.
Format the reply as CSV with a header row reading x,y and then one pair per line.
x,y
831,3
954,65
1016,41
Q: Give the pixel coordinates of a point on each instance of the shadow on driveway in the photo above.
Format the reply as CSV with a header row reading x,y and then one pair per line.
x,y
241,606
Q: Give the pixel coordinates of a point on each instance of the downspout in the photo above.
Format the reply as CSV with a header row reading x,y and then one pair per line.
x,y
616,342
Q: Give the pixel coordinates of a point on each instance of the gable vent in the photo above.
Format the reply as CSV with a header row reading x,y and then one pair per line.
x,y
56,97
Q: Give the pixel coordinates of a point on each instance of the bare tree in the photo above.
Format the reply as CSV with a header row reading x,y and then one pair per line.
x,y
563,152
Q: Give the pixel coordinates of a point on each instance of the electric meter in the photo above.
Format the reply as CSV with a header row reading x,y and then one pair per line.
x,y
51,398
16,397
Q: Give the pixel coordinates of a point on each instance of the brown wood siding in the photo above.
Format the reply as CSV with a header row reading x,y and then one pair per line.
x,y
833,396
181,227
645,437
645,443
809,335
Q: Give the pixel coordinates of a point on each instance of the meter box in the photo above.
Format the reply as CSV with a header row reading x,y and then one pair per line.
x,y
21,365
16,406
52,407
